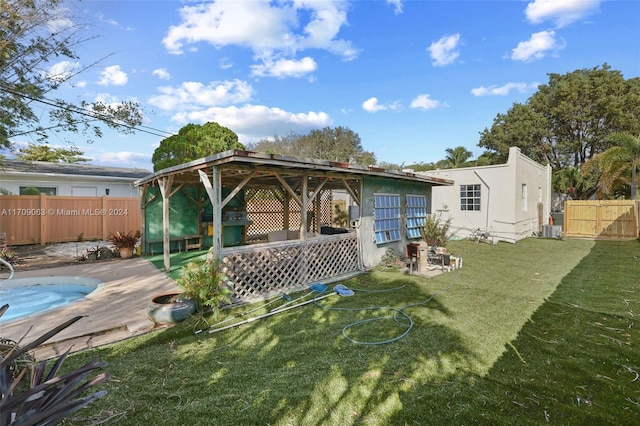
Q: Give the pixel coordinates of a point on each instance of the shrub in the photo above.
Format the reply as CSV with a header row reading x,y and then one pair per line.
x,y
203,281
49,397
435,231
392,259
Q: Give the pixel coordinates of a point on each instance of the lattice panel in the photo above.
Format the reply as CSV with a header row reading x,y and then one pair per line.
x,y
266,269
325,208
265,210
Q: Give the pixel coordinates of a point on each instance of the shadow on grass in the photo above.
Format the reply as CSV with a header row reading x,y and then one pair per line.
x,y
293,367
576,361
573,361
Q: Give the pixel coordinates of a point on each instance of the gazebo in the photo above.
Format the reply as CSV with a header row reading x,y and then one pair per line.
x,y
270,218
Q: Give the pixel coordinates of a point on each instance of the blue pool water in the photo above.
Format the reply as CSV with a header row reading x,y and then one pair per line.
x,y
29,296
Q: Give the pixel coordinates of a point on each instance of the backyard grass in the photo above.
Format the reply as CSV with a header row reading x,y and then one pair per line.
x,y
540,332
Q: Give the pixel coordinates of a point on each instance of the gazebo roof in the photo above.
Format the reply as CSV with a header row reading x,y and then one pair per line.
x,y
237,165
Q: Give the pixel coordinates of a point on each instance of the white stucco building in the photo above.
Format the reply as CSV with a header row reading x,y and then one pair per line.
x,y
508,202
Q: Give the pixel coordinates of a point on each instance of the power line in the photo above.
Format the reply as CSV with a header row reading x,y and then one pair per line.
x,y
87,113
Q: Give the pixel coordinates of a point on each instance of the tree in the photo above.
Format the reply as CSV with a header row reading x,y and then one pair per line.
x,y
421,166
194,141
51,155
457,157
32,34
567,122
338,144
614,165
281,145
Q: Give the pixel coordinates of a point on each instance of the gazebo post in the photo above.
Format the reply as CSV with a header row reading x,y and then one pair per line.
x,y
214,191
165,188
303,207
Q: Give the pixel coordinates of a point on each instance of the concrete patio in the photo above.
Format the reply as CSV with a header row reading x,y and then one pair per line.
x,y
114,312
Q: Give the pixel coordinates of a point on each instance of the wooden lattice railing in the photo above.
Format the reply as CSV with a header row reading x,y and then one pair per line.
x,y
261,270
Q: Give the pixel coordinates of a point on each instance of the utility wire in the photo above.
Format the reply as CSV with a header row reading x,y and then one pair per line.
x,y
87,113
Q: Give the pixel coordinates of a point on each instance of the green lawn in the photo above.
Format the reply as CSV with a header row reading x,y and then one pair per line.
x,y
538,332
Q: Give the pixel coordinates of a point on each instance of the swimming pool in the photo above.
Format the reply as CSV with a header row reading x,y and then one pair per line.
x,y
30,296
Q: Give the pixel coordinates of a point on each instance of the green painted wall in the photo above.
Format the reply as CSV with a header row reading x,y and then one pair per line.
x,y
371,252
185,216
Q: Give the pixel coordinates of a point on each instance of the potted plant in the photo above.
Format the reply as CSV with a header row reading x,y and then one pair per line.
x,y
204,290
124,242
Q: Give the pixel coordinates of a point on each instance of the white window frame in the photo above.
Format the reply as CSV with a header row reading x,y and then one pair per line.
x,y
47,190
470,197
416,212
386,213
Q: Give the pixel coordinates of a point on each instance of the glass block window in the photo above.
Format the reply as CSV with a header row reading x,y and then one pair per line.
x,y
387,217
416,214
470,197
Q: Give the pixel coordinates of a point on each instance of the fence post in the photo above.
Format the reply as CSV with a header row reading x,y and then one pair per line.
x,y
104,219
43,219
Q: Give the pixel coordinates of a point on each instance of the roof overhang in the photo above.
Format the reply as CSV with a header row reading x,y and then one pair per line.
x,y
240,163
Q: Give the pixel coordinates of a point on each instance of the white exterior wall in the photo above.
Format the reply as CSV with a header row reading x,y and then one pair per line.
x,y
503,212
72,185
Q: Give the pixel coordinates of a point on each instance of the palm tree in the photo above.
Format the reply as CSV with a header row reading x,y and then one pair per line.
x,y
615,163
457,157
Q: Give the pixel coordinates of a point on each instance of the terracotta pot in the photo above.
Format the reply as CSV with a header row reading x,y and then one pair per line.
x,y
170,308
126,252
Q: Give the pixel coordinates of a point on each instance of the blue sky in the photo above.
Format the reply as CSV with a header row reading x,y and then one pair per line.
x,y
412,78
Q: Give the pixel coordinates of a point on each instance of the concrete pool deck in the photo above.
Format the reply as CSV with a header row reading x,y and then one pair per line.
x,y
114,312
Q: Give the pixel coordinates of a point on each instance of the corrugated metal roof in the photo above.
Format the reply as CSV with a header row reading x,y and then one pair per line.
x,y
258,159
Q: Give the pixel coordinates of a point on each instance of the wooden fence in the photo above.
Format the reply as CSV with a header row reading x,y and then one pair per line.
x,y
42,219
601,219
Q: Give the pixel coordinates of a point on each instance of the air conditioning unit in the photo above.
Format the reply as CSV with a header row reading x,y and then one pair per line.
x,y
551,231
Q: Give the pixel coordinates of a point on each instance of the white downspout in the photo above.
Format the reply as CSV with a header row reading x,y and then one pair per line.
x,y
486,226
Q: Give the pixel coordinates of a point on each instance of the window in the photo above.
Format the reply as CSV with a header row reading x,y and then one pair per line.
x,y
416,214
387,217
525,204
36,190
470,197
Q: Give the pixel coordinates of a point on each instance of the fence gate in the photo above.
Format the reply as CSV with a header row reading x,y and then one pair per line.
x,y
601,218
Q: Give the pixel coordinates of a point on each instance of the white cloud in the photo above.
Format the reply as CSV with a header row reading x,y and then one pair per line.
x,y
536,47
425,102
504,90
397,6
162,74
225,63
443,52
560,12
254,122
272,30
113,75
372,105
193,95
121,158
284,68
62,71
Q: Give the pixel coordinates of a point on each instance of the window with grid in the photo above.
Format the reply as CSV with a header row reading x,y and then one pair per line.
x,y
470,197
387,217
416,214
